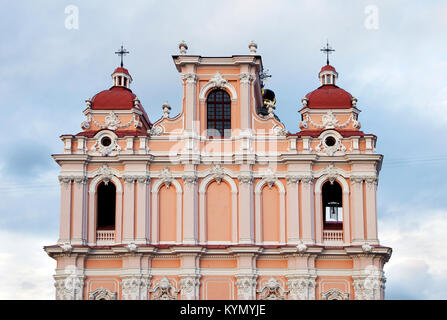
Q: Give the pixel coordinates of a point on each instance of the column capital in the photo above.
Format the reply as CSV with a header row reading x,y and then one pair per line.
x,y
246,286
291,179
135,287
301,287
245,78
190,179
189,286
245,178
190,78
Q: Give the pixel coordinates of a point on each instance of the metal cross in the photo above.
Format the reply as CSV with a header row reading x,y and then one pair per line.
x,y
328,50
121,53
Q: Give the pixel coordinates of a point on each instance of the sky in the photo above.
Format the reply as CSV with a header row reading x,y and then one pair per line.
x,y
391,55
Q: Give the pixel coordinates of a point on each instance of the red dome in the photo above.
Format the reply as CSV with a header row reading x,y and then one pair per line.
x,y
329,96
122,70
328,67
114,98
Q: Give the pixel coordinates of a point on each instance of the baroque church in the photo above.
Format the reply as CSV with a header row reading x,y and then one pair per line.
x,y
219,201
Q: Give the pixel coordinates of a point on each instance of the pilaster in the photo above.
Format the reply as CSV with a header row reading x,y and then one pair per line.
x,y
190,79
79,227
293,210
190,208
65,214
246,208
371,211
129,209
245,79
308,214
246,273
143,210
190,274
358,234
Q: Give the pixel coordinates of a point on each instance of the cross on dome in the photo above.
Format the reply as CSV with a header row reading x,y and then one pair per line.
x,y
122,52
327,50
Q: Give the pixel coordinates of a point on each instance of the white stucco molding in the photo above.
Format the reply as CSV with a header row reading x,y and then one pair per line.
x,y
104,170
331,173
218,173
217,82
166,178
98,179
270,178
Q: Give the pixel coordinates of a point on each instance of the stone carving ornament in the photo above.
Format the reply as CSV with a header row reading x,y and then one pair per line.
x,y
334,294
301,288
102,294
246,287
189,287
135,287
272,290
164,290
218,81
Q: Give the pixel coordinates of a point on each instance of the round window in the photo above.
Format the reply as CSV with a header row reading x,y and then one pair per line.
x,y
329,141
106,141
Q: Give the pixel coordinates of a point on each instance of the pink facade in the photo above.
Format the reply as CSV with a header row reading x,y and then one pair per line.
x,y
220,201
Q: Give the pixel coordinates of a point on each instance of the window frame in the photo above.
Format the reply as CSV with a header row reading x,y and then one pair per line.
x,y
216,115
332,225
97,209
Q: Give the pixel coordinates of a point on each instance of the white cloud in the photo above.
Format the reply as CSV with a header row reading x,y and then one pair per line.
x,y
25,269
418,266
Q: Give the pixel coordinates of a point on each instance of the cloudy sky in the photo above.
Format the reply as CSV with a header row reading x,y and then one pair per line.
x,y
391,55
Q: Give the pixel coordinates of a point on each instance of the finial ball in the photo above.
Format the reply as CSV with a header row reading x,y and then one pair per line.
x,y
183,47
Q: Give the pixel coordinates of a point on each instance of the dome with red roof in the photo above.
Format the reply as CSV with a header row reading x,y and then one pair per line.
x,y
122,70
328,67
328,95
115,98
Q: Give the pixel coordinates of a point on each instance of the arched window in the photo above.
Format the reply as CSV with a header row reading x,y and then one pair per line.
x,y
218,114
106,200
332,206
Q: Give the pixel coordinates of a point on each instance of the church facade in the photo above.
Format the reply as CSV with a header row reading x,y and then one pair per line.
x,y
219,201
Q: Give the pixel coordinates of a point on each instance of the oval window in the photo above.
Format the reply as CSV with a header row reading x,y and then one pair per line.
x,y
106,141
330,141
